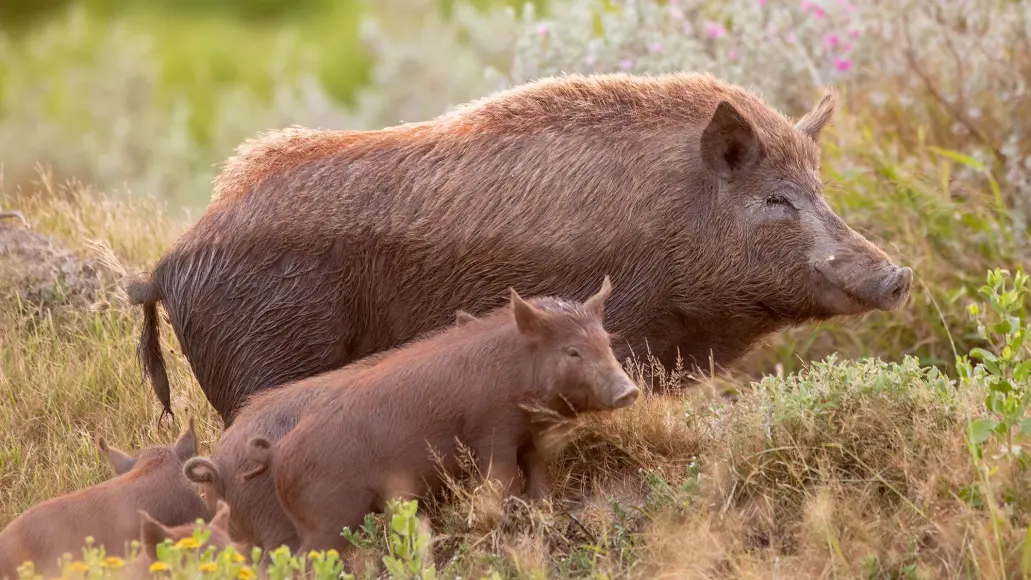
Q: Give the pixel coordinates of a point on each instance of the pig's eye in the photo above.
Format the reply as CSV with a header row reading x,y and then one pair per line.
x,y
572,352
774,199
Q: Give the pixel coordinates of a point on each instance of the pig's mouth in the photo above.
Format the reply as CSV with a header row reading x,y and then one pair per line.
x,y
857,291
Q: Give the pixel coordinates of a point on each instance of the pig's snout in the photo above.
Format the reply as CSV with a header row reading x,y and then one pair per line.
x,y
867,287
623,392
895,288
885,289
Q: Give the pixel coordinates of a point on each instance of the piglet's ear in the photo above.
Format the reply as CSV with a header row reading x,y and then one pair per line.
x,y
596,303
729,146
186,445
462,318
120,462
528,319
220,521
152,533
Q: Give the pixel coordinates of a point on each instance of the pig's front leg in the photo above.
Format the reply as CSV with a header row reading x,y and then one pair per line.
x,y
535,471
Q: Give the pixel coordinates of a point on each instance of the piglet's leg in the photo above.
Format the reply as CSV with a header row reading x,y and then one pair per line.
x,y
499,462
344,509
532,464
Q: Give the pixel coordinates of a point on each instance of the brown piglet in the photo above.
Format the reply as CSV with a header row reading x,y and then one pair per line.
x,y
152,533
257,518
108,511
378,434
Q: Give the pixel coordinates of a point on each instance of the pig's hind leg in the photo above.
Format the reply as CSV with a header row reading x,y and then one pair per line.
x,y
342,508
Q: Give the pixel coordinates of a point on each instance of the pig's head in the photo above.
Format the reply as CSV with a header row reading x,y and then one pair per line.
x,y
153,532
121,463
794,258
573,357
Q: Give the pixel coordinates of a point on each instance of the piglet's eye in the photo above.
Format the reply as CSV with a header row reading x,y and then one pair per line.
x,y
774,199
572,352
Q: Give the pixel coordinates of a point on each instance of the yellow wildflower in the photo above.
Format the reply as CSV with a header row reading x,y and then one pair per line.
x,y
312,555
239,557
208,567
332,553
188,543
113,562
246,573
79,566
158,567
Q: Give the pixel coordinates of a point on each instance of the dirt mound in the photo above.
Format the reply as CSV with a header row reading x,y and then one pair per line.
x,y
38,270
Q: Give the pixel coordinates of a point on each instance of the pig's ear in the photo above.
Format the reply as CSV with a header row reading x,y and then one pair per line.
x,y
528,319
120,462
462,318
729,147
596,303
813,123
220,521
152,533
186,445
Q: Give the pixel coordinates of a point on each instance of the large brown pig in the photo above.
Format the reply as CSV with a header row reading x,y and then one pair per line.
x,y
703,203
378,433
257,518
108,511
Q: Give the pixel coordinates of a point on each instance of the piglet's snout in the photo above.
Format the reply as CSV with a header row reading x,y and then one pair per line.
x,y
623,391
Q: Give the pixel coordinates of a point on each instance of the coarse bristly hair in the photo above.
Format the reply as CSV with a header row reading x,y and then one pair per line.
x,y
324,247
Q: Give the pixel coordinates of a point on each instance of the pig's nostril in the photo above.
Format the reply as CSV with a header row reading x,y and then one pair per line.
x,y
626,398
902,283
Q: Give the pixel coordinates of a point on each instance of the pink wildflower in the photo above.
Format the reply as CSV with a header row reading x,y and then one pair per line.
x,y
542,30
626,63
842,64
790,38
590,59
732,54
715,29
806,5
853,33
831,40
762,2
818,12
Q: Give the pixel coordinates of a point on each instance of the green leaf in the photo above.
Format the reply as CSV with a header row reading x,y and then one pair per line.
x,y
1025,426
1023,371
982,354
959,157
394,567
1002,386
981,430
992,367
